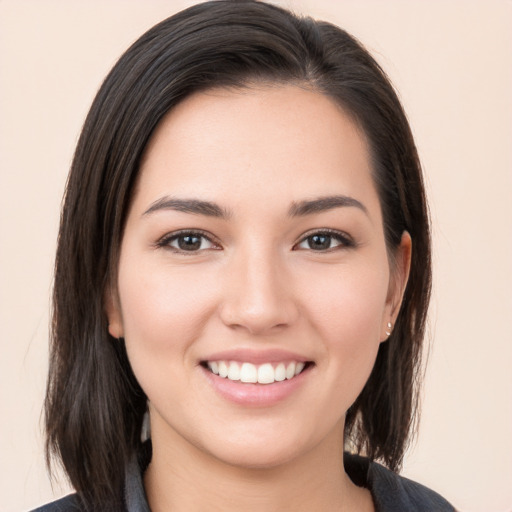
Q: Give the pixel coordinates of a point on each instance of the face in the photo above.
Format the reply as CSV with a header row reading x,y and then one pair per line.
x,y
254,286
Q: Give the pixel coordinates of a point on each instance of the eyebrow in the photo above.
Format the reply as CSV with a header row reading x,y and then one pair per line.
x,y
194,206
322,204
210,209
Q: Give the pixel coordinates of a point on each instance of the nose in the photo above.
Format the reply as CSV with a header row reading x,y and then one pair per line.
x,y
258,296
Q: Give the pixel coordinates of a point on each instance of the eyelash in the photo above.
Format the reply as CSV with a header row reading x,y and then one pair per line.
x,y
166,240
345,241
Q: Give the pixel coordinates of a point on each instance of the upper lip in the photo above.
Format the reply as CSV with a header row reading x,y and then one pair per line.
x,y
256,356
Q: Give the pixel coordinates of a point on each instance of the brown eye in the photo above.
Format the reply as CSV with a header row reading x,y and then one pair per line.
x,y
187,242
325,241
319,242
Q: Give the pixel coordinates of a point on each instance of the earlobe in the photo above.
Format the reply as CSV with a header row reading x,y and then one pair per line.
x,y
115,330
113,311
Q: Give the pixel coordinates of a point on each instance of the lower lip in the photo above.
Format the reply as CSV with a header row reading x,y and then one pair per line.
x,y
255,395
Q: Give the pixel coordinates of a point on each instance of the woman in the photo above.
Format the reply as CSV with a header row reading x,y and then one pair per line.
x,y
242,276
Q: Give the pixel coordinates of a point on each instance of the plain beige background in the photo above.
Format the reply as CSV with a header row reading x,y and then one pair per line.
x,y
452,64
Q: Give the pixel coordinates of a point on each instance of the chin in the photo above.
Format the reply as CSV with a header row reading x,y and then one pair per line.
x,y
261,448
257,457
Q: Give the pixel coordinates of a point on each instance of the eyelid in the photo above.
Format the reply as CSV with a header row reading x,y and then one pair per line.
x,y
164,241
346,240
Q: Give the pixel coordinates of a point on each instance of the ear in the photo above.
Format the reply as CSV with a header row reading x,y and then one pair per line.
x,y
113,311
400,268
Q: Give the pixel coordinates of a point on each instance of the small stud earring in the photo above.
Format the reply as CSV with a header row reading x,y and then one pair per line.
x,y
390,326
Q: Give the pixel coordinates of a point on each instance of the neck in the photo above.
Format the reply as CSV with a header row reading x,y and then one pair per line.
x,y
182,478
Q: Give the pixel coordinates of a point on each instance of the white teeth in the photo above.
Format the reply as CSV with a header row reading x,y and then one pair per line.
x,y
266,374
214,367
280,372
263,374
248,373
223,369
233,371
290,370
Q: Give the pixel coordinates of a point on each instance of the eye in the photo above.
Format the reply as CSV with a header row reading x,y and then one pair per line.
x,y
325,240
187,242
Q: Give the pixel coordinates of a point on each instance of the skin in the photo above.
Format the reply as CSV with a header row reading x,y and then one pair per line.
x,y
254,283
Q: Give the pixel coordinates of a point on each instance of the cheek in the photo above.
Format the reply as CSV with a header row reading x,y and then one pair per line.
x,y
347,313
349,303
161,293
163,309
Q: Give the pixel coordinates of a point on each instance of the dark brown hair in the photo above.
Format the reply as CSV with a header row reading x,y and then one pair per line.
x,y
94,404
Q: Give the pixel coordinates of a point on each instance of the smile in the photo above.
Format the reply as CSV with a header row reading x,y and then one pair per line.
x,y
266,373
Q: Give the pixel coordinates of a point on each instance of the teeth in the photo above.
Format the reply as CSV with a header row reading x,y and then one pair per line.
x,y
280,372
223,369
233,371
248,373
262,374
266,374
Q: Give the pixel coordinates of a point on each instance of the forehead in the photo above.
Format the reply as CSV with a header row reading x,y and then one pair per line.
x,y
248,142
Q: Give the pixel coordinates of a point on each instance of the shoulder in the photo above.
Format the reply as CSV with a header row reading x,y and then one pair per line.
x,y
69,503
392,492
73,503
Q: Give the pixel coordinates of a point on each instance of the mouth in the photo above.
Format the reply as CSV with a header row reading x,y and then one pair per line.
x,y
265,373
